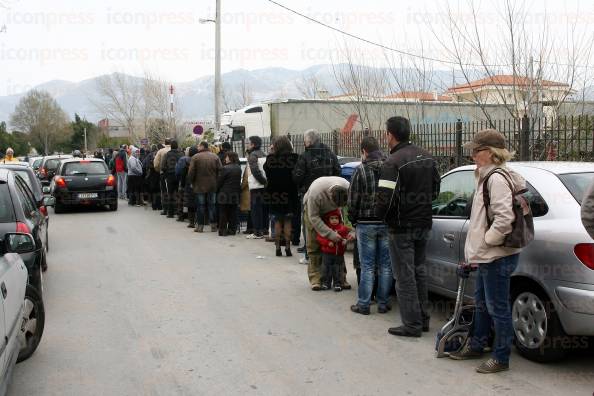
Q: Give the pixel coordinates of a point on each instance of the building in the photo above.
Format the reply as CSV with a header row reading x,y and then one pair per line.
x,y
418,96
515,92
112,130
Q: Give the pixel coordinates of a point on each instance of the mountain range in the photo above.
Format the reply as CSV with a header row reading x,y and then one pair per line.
x,y
196,98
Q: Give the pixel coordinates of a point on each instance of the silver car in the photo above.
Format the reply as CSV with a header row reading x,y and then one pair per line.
x,y
552,290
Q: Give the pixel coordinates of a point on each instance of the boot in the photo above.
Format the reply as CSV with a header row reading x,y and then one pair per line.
x,y
199,228
214,227
288,249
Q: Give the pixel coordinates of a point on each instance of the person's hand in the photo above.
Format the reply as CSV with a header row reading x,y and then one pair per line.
x,y
351,236
331,244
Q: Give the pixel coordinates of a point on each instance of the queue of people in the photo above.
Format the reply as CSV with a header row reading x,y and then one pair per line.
x,y
284,196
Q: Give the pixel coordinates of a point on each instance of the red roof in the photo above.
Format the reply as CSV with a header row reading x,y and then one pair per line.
x,y
505,80
420,96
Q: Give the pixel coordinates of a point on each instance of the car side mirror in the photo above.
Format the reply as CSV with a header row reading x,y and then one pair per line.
x,y
18,242
46,190
49,201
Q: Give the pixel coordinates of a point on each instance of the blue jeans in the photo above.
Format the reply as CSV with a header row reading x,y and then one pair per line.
x,y
491,297
202,201
374,252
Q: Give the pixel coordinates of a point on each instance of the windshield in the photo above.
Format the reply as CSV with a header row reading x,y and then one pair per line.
x,y
84,168
577,184
36,163
52,164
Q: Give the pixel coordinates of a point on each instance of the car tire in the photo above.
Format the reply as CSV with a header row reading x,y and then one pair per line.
x,y
32,325
114,206
37,279
47,238
539,334
58,207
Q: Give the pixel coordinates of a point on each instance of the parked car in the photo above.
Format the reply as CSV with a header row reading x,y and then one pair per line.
x,y
34,184
347,170
49,165
35,162
23,316
83,182
19,211
552,290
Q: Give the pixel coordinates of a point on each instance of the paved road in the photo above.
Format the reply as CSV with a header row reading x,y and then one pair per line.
x,y
137,305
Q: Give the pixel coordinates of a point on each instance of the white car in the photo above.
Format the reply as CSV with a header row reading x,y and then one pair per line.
x,y
23,316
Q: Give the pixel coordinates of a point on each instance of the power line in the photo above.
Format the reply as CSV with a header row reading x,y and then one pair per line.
x,y
410,54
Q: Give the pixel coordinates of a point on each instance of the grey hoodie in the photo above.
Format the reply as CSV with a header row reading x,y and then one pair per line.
x,y
483,243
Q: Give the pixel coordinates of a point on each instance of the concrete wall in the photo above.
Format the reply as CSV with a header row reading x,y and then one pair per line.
x,y
296,116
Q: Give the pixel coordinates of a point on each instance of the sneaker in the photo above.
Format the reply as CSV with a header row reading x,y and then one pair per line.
x,y
303,261
325,287
251,236
301,249
359,309
466,353
492,366
337,288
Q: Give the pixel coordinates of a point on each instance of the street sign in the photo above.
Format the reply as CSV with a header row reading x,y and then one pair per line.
x,y
198,130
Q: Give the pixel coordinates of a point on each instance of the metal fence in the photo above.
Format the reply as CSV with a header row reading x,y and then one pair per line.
x,y
566,138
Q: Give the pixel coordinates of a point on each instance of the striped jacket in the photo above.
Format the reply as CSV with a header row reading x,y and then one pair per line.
x,y
363,189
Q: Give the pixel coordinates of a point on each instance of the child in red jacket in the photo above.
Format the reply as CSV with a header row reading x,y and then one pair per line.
x,y
333,252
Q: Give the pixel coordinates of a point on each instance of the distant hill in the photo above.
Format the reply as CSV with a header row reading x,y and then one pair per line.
x,y
196,97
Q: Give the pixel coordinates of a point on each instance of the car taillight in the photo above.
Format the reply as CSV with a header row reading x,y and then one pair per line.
x,y
585,253
43,210
111,181
60,182
22,227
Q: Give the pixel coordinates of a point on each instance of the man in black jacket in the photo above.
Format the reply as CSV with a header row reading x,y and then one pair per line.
x,y
409,182
171,183
316,161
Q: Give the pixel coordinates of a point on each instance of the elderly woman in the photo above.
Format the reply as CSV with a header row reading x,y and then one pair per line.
x,y
484,249
281,192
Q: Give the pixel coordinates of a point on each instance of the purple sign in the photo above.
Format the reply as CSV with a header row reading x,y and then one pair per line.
x,y
198,130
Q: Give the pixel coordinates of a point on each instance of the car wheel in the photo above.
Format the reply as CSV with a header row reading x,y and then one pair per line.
x,y
32,324
114,206
539,334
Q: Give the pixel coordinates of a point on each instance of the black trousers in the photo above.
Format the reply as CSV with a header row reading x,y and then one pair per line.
x,y
134,190
331,268
163,190
172,186
227,219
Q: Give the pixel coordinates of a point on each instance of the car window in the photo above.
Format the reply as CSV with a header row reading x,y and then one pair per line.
x,y
26,200
36,163
26,177
6,209
84,167
455,194
52,164
537,203
577,184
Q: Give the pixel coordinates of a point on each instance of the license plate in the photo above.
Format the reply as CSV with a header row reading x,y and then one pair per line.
x,y
87,195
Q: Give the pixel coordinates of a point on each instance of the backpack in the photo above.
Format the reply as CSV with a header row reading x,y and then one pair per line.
x,y
523,226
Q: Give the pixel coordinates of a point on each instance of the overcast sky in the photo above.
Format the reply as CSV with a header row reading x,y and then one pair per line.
x,y
42,40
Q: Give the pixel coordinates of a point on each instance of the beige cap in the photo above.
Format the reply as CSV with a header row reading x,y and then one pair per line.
x,y
486,138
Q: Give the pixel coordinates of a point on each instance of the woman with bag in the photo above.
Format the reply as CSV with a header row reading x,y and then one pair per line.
x,y
488,250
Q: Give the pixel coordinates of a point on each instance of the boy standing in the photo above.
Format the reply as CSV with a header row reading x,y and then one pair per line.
x,y
333,252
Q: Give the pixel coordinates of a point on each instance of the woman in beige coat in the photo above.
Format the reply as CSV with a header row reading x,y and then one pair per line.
x,y
484,249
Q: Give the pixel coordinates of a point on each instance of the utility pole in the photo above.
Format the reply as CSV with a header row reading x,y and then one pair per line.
x,y
218,91
86,148
218,86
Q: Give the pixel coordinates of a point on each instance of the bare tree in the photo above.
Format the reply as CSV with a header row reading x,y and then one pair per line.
x,y
532,57
120,99
310,86
39,115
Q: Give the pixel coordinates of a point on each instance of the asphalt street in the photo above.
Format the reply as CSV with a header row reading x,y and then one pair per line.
x,y
136,304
